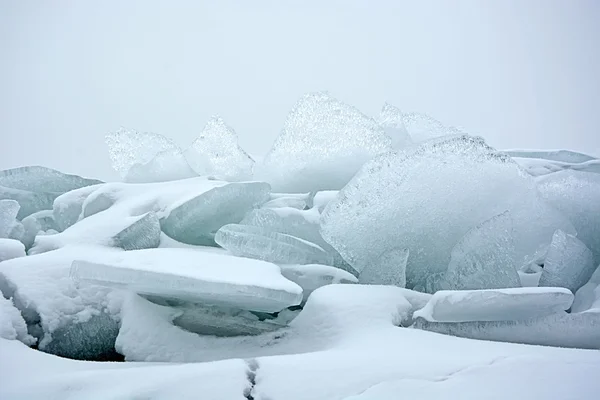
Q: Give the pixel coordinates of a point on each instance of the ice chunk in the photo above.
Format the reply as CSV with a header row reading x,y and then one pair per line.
x,y
30,202
12,324
10,248
568,263
264,244
129,147
298,201
577,196
41,179
68,206
105,229
422,127
391,119
578,330
530,275
388,269
483,258
168,165
8,214
196,220
196,276
423,199
322,198
67,321
322,145
216,152
312,276
495,304
40,221
588,296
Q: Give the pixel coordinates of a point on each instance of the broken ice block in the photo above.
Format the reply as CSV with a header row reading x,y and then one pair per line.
x,y
264,244
483,258
168,165
577,330
312,276
10,248
495,304
577,195
40,221
388,269
587,298
68,206
216,152
322,145
423,199
568,263
8,214
391,120
530,275
196,276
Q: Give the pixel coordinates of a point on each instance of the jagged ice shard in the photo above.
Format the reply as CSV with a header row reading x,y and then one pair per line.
x,y
423,199
216,153
422,127
322,145
168,165
264,244
391,120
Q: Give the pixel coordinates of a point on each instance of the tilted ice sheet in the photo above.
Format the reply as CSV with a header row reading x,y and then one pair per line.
x,y
194,275
42,179
70,321
264,244
587,298
495,304
391,120
8,214
388,269
423,199
167,165
568,263
322,145
129,147
216,152
565,156
577,195
68,206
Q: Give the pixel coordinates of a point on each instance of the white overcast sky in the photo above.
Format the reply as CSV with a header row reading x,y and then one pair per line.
x,y
521,73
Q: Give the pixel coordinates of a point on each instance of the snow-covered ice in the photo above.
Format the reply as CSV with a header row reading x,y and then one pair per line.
x,y
587,298
67,207
12,324
8,215
10,248
194,275
495,304
322,145
312,276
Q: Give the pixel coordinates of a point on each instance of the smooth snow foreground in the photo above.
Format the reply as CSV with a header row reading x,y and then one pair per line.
x,y
349,348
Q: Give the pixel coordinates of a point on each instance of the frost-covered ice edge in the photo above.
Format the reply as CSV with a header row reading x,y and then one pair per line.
x,y
361,258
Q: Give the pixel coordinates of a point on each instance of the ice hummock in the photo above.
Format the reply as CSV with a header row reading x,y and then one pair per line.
x,y
568,263
322,145
216,152
264,244
577,195
495,304
423,199
195,276
70,321
391,120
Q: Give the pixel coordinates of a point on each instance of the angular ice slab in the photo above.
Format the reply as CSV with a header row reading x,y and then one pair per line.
x,y
216,152
587,297
483,258
322,145
168,165
129,147
576,330
422,127
196,276
568,263
565,156
41,221
312,276
388,269
391,120
423,199
68,206
10,248
67,321
264,244
495,304
8,215
577,196
12,324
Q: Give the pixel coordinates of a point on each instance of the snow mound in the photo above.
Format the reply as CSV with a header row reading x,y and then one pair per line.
x,y
196,276
495,304
310,277
10,248
12,324
322,145
216,152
